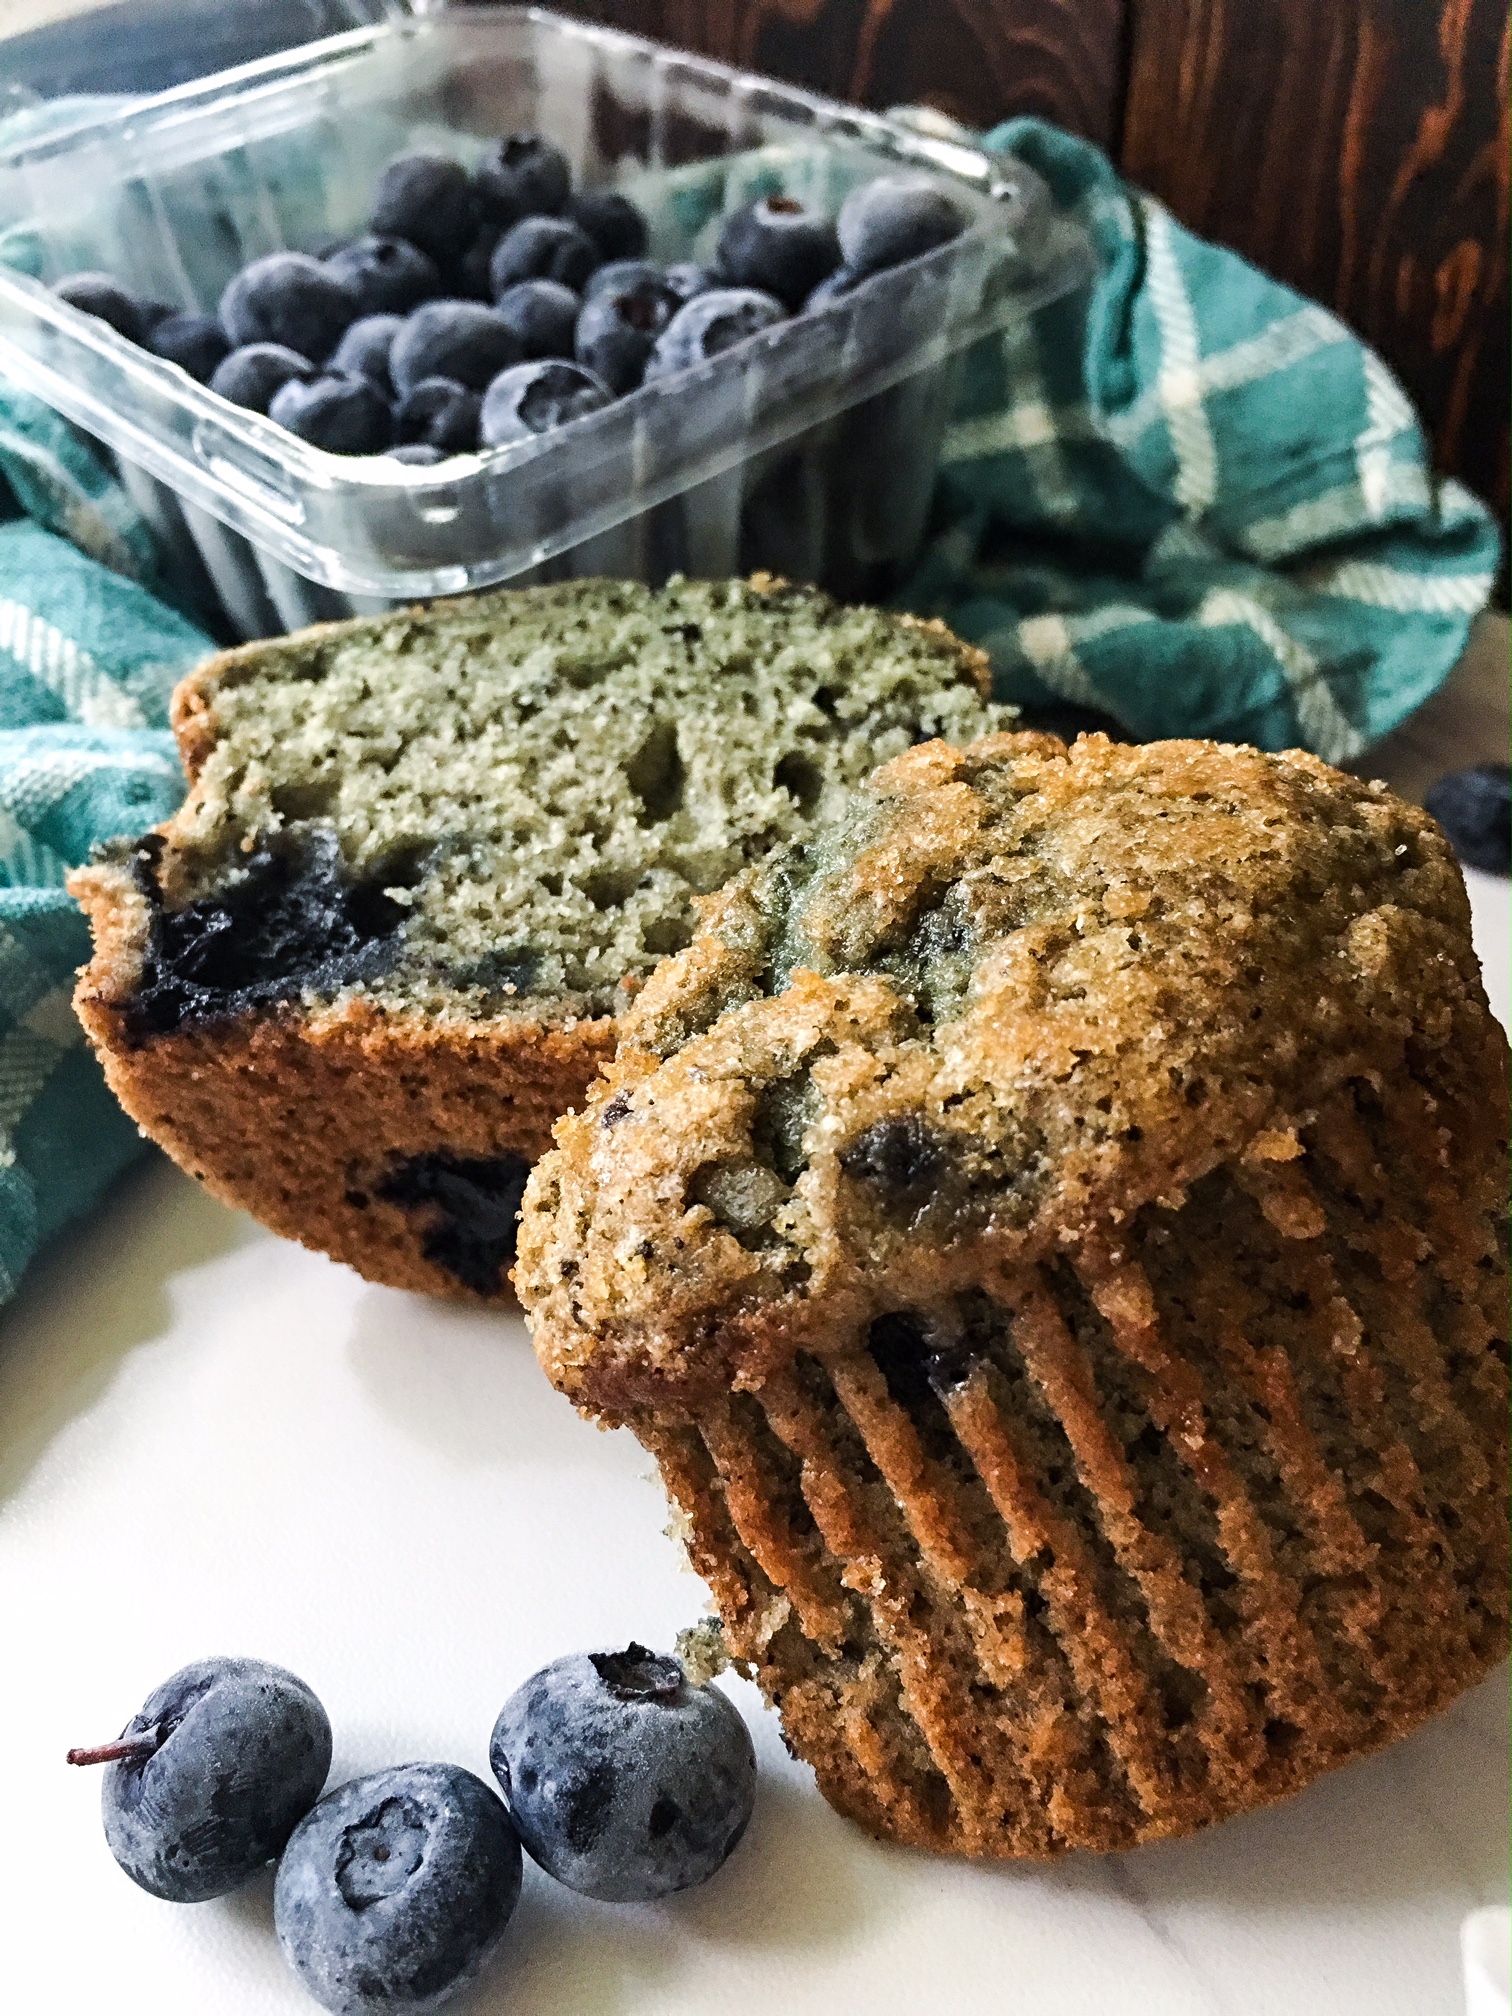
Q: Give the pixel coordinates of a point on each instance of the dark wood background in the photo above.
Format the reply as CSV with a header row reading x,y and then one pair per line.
x,y
980,60
1359,149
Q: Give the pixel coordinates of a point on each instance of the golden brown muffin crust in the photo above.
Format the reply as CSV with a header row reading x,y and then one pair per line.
x,y
302,1118
1174,951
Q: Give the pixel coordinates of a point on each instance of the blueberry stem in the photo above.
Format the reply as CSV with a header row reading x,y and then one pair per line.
x,y
125,1749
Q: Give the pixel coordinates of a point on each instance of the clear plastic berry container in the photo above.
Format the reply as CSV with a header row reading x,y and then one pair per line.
x,y
808,449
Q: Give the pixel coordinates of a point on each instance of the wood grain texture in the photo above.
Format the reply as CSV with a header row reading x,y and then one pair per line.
x,y
1360,150
976,59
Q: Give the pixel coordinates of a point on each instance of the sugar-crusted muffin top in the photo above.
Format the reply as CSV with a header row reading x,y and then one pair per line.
x,y
526,790
1015,990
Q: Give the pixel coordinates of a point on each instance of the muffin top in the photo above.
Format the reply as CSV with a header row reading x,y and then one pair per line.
x,y
1015,993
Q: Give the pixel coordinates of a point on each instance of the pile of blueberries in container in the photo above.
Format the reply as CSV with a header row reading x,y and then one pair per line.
x,y
622,1778
485,308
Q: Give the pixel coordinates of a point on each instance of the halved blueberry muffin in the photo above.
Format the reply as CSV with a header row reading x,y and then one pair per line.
x,y
427,858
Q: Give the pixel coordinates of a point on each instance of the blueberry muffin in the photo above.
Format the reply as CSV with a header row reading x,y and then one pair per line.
x,y
1050,1228
425,860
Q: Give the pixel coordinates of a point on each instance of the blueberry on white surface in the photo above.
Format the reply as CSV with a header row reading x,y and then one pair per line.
x,y
612,221
618,328
209,1778
429,200
99,295
364,350
386,276
288,298
543,248
452,339
779,245
395,1891
626,1782
710,323
543,314
439,413
893,218
531,399
1474,807
197,342
524,176
252,375
347,416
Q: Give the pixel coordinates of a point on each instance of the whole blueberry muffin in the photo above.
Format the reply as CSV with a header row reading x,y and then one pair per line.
x,y
425,860
1050,1228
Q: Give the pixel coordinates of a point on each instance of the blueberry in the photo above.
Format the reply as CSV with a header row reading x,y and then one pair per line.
x,y
441,414
531,399
686,278
288,298
902,1157
624,273
894,218
210,1776
418,453
524,176
542,313
386,276
625,1781
470,1203
611,221
252,375
1474,807
296,920
347,416
395,1891
470,274
197,342
427,199
98,295
841,282
618,328
780,246
710,323
452,339
364,350
543,248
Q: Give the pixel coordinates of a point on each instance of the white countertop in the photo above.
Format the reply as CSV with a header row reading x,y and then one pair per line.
x,y
213,1441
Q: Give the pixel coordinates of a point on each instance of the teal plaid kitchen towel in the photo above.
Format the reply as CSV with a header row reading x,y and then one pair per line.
x,y
90,650
88,659
1192,500
1183,497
